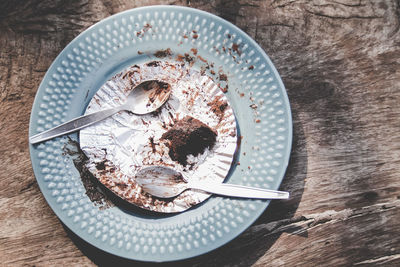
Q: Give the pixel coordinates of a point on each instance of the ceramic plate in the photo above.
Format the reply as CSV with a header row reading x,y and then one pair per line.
x,y
217,48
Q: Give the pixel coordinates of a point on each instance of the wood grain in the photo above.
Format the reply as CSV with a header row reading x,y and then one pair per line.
x,y
339,60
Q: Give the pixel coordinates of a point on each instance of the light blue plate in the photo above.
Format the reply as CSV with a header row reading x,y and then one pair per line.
x,y
256,94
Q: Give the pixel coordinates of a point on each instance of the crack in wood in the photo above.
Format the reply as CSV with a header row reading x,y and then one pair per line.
x,y
277,25
320,14
380,260
280,3
304,223
28,186
357,4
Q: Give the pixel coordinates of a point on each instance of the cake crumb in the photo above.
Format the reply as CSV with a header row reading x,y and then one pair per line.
x,y
163,53
188,136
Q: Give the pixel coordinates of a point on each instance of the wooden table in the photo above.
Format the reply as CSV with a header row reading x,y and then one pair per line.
x,y
340,62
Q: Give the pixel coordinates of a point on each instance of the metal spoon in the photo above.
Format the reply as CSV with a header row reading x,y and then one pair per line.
x,y
165,182
146,97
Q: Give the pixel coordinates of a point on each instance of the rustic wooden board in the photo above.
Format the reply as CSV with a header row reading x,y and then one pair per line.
x,y
340,62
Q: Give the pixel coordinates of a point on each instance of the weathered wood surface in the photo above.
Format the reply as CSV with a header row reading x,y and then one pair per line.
x,y
340,62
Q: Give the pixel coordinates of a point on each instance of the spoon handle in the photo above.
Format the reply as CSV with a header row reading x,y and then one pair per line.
x,y
238,190
73,125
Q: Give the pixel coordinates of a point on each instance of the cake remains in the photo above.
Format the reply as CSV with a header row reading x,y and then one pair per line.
x,y
188,136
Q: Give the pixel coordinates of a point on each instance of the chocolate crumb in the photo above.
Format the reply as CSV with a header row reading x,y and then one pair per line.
x,y
194,51
188,58
160,89
144,122
163,53
202,70
153,64
218,106
223,77
121,186
180,58
235,47
101,165
225,89
146,28
130,73
152,144
204,60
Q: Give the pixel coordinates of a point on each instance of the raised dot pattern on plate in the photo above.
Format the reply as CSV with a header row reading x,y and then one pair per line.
x,y
264,122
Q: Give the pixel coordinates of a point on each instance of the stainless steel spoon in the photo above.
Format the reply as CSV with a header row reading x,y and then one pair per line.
x,y
146,97
165,182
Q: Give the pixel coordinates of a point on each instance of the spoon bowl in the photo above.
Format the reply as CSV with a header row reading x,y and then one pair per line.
x,y
161,181
164,182
146,97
